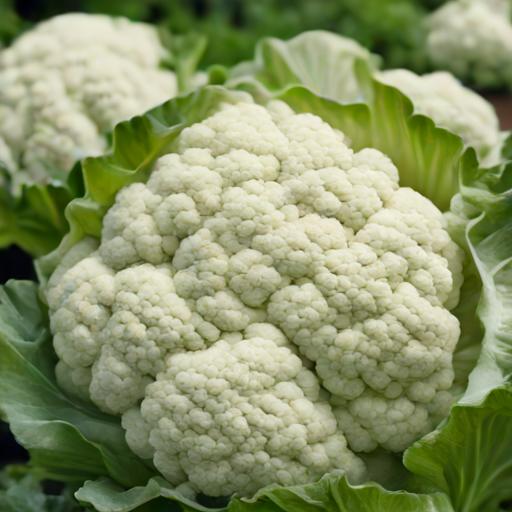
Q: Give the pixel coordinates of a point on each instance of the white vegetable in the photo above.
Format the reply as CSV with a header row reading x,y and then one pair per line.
x,y
473,39
238,417
71,79
262,235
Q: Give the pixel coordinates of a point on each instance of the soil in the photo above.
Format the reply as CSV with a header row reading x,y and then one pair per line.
x,y
503,105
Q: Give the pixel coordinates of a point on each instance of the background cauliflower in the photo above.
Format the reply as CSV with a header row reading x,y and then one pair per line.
x,y
337,68
260,246
68,81
450,105
473,39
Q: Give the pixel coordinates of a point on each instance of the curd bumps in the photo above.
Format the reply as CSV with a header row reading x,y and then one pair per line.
x,y
266,297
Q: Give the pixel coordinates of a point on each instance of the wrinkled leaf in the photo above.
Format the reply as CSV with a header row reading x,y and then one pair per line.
x,y
332,493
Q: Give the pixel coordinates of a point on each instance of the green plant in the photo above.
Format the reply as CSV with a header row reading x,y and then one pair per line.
x,y
168,252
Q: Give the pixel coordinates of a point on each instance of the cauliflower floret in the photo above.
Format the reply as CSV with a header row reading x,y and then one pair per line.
x,y
263,238
71,79
473,39
443,98
237,417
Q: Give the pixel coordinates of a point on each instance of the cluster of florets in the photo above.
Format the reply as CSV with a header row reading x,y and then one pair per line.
x,y
67,82
473,39
267,303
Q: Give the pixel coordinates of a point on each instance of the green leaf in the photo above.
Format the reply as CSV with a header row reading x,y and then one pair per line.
x,y
506,149
34,220
470,457
32,215
23,492
68,440
106,496
319,60
185,53
332,493
489,236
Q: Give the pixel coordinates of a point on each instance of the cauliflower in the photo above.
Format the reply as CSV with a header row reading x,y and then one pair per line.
x,y
452,106
71,79
265,297
473,39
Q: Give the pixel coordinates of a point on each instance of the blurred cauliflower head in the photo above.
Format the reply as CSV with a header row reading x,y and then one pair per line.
x,y
266,296
473,39
452,106
69,80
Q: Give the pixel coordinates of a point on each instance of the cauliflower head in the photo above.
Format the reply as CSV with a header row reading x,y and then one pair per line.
x,y
452,106
69,80
266,304
473,39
